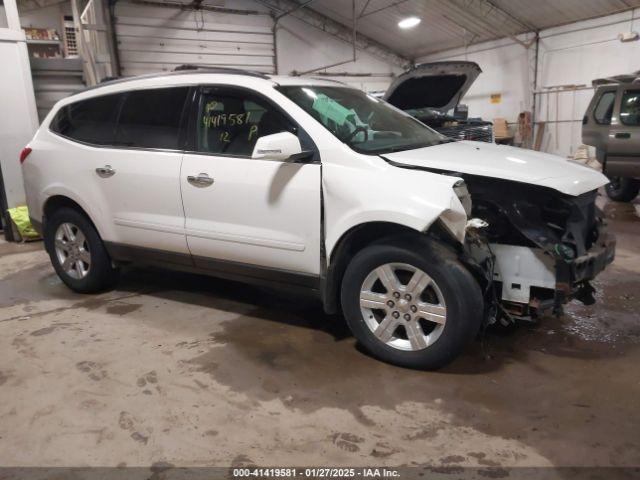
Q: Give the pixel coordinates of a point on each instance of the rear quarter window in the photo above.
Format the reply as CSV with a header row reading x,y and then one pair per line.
x,y
89,121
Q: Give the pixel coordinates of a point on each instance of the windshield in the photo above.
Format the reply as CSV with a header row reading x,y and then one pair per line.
x,y
365,123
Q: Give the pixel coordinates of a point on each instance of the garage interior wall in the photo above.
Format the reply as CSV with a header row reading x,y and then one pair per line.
x,y
573,54
159,38
18,121
301,48
53,79
152,39
3,17
155,38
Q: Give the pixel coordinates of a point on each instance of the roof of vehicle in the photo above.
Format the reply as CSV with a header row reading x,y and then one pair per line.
x,y
184,72
618,79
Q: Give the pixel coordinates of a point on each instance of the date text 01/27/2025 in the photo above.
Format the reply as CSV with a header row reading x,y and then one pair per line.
x,y
317,472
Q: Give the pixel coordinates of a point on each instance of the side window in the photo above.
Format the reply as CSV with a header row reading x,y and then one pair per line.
x,y
630,108
604,108
90,121
230,122
151,118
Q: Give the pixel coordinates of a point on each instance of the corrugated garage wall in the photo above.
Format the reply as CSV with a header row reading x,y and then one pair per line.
x,y
54,79
152,39
573,54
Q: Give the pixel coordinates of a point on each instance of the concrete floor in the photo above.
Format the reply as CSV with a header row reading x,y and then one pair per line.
x,y
196,371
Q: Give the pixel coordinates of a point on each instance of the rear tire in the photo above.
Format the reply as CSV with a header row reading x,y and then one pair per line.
x,y
421,317
622,189
77,252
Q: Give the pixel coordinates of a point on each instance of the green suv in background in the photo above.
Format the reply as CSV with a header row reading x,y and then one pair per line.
x,y
612,125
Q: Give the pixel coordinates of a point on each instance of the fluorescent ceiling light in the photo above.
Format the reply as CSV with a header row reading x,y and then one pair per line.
x,y
409,22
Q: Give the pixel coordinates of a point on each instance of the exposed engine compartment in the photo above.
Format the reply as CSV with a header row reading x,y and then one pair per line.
x,y
474,129
431,91
532,248
562,225
564,245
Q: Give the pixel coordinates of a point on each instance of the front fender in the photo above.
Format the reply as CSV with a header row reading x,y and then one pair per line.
x,y
412,198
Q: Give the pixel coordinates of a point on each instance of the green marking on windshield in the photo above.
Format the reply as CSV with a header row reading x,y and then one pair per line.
x,y
332,110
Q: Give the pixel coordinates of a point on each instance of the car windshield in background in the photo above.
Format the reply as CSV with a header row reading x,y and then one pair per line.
x,y
365,123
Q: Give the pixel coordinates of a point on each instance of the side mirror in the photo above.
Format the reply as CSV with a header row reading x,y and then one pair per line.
x,y
283,146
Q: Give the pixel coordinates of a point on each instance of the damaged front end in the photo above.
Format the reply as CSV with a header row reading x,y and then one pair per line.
x,y
533,248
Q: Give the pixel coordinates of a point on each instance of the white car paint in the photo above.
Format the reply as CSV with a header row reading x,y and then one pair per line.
x,y
509,163
259,212
63,167
354,194
264,212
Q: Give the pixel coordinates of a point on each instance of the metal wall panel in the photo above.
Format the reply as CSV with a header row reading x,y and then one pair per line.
x,y
54,79
153,39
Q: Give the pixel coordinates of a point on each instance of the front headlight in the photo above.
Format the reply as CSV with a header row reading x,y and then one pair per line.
x,y
460,187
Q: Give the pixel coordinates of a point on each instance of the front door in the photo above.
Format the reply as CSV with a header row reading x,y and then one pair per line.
x,y
247,216
623,157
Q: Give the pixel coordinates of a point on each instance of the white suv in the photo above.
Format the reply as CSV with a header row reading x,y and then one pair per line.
x,y
313,185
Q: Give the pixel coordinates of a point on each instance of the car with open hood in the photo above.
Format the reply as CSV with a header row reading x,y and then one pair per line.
x,y
431,92
314,187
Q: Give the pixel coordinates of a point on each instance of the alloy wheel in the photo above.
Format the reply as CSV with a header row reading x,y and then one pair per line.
x,y
403,306
72,250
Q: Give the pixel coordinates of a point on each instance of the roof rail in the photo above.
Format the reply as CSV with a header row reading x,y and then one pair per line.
x,y
319,77
228,70
181,70
625,78
110,79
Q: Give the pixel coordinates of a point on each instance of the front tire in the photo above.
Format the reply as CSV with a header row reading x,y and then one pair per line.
x,y
411,304
622,189
77,252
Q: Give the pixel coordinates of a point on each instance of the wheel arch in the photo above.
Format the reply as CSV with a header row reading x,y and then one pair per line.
x,y
365,234
57,201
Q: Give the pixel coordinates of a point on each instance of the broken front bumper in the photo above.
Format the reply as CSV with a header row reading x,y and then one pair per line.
x,y
572,278
531,281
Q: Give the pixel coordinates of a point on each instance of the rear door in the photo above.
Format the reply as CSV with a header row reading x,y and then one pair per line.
x,y
623,157
137,177
143,190
247,216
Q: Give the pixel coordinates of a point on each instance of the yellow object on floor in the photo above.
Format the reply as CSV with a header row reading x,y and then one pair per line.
x,y
20,216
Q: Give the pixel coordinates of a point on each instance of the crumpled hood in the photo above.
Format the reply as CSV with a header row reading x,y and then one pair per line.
x,y
508,163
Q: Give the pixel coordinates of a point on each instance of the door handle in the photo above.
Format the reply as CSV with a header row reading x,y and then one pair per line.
x,y
623,135
201,180
105,172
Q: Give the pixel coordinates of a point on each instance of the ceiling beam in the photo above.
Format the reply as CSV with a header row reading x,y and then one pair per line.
x,y
474,15
529,26
525,27
294,9
336,29
364,8
394,4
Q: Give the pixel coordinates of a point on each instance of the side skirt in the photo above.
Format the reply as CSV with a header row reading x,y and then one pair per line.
x,y
241,272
